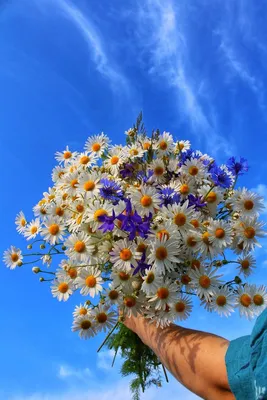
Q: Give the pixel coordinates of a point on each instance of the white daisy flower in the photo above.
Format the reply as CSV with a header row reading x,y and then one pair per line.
x,y
85,325
71,182
223,301
21,222
164,144
182,146
159,171
90,281
53,230
62,289
134,151
122,279
12,257
104,318
205,281
244,301
116,158
112,294
145,200
163,254
131,305
82,309
97,144
248,203
259,298
123,255
40,209
182,308
32,229
151,281
247,264
58,174
248,229
85,160
66,156
89,184
194,169
79,247
221,233
212,196
166,293
180,215
185,186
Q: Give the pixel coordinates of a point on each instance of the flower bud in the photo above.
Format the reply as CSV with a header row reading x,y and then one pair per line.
x,y
63,248
29,247
42,246
224,262
19,263
88,302
36,270
237,280
41,279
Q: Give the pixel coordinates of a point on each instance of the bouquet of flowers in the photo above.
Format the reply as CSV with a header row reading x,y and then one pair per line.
x,y
142,228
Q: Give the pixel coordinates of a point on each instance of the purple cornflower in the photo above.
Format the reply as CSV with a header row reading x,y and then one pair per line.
x,y
127,171
108,222
141,265
238,167
169,196
195,201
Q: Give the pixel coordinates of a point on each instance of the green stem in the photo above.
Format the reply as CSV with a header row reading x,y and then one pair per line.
x,y
112,330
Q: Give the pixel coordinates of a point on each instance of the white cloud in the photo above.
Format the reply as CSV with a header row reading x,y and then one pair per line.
x,y
118,391
164,41
261,189
104,359
66,372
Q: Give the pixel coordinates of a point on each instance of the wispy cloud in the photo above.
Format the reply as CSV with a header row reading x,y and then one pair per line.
x,y
66,372
162,35
261,189
96,45
104,359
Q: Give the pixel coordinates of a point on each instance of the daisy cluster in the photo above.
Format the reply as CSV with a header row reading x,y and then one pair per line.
x,y
143,228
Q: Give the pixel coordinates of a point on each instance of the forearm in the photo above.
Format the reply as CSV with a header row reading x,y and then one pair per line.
x,y
195,358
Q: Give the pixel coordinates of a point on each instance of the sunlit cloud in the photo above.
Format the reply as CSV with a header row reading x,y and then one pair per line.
x,y
67,371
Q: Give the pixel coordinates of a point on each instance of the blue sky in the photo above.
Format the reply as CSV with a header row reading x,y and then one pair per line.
x,y
71,69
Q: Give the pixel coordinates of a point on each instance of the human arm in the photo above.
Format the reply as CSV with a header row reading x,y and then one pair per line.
x,y
195,358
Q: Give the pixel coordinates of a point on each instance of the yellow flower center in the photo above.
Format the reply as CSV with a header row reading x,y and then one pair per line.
x,y
114,160
141,248
101,318
82,311
74,183
204,281
193,170
248,205
67,154
22,222
179,219
146,145
53,229
123,276
14,257
146,201
86,324
90,281
205,238
113,294
221,300
258,300
80,208
195,264
96,147
72,272
98,213
180,145
249,232
158,171
185,279
134,152
163,232
184,189
79,246
219,233
84,160
211,197
63,287
59,211
161,253
195,223
125,254
129,301
180,307
163,145
191,241
245,264
89,185
245,300
33,230
163,293
150,277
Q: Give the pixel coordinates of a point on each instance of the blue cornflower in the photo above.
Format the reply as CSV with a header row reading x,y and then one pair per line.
x,y
220,176
195,201
169,196
110,190
134,224
141,176
237,167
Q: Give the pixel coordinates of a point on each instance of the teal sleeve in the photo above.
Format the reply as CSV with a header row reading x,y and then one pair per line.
x,y
246,363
